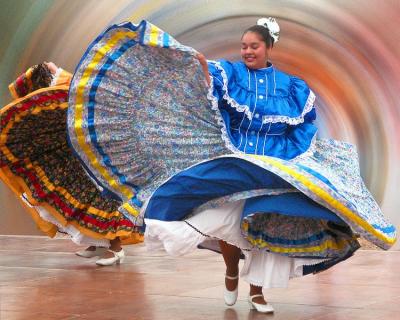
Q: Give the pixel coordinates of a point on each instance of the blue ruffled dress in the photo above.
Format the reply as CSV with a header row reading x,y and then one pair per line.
x,y
151,133
266,111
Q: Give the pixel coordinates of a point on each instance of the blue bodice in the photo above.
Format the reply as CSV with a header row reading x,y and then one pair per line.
x,y
266,111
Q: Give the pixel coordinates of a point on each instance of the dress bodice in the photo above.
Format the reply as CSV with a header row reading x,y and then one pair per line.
x,y
266,111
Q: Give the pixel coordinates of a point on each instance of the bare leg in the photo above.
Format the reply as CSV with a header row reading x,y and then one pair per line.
x,y
231,255
257,290
115,245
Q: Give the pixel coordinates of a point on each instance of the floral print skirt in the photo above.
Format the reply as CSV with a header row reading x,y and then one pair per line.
x,y
37,163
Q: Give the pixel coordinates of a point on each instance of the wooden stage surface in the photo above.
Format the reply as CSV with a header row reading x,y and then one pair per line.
x,y
42,278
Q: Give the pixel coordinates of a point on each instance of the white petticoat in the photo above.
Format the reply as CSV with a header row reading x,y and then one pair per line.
x,y
75,235
261,268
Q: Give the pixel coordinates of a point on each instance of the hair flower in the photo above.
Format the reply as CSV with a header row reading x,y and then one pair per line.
x,y
273,27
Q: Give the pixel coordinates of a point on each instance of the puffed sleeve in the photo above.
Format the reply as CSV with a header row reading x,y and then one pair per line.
x,y
300,131
221,72
300,97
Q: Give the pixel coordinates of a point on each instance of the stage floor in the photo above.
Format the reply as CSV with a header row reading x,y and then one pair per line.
x,y
42,279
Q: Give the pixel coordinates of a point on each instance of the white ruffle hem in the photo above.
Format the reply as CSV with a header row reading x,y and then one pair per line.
x,y
205,228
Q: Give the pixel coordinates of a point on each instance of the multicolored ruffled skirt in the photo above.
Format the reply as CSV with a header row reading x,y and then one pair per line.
x,y
37,163
143,124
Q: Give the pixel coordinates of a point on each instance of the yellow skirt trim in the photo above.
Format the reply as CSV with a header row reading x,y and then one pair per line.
x,y
99,56
325,196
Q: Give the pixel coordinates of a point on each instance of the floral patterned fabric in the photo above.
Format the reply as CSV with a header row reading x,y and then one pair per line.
x,y
36,160
142,121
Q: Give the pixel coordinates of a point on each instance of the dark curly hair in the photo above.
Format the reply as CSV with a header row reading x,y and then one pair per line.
x,y
41,77
263,32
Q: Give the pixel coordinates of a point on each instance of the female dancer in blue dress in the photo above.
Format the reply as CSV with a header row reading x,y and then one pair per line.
x,y
233,166
255,82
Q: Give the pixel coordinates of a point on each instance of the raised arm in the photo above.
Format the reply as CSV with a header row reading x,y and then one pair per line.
x,y
203,61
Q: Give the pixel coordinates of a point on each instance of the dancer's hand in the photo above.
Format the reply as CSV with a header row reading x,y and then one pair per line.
x,y
52,67
203,62
202,59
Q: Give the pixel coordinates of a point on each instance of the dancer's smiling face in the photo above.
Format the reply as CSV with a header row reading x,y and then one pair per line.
x,y
254,50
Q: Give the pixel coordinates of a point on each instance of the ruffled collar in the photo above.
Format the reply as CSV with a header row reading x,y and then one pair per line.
x,y
290,109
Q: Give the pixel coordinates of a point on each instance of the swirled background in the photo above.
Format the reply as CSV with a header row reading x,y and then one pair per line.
x,y
348,56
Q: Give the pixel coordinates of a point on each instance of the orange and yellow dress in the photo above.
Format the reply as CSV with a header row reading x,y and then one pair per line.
x,y
38,165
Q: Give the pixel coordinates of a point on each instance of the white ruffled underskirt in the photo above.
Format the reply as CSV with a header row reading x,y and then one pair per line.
x,y
75,235
205,228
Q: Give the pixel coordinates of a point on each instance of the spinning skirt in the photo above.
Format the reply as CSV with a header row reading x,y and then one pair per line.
x,y
37,163
144,125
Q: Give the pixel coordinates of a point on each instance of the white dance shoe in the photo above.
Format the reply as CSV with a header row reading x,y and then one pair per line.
x,y
230,297
262,308
118,258
98,252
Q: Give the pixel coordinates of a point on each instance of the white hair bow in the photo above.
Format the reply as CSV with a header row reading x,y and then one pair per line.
x,y
273,27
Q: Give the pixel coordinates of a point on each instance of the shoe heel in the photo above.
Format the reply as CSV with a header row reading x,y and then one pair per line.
x,y
120,260
251,306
